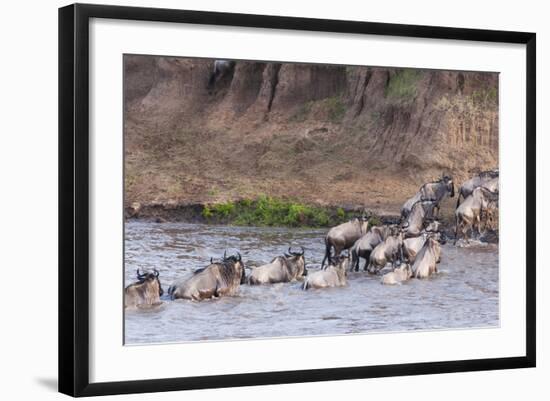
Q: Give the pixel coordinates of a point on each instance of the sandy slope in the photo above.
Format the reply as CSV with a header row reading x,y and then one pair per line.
x,y
351,136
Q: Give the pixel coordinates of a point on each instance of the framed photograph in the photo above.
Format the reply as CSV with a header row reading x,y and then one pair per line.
x,y
251,199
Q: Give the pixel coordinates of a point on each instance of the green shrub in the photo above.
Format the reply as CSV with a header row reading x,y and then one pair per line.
x,y
403,85
207,212
269,211
224,209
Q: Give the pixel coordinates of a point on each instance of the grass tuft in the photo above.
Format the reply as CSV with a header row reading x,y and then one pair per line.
x,y
403,85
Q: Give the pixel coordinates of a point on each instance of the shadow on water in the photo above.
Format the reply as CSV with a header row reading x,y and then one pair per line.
x,y
464,294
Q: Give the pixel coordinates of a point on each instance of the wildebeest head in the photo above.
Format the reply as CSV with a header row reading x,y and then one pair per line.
x,y
341,263
437,236
236,263
490,195
150,277
490,198
406,269
432,225
297,261
432,240
432,228
450,186
362,223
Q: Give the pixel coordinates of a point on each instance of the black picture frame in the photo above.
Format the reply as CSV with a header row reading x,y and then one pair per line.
x,y
74,198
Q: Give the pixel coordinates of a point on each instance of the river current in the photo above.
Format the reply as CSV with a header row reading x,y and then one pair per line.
x,y
464,294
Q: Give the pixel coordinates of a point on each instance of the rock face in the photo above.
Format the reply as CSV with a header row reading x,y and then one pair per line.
x,y
324,134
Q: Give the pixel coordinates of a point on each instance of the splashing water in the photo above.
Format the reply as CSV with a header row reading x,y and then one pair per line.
x,y
464,294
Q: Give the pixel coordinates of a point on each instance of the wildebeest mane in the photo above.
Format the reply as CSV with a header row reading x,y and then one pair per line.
x,y
226,269
292,265
282,259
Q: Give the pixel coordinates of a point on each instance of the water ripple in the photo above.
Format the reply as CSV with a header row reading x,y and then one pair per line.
x,y
464,293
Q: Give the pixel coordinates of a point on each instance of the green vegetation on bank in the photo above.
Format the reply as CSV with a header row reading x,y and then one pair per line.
x,y
403,85
268,211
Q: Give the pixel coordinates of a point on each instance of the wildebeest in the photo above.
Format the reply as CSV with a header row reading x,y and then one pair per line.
x,y
221,69
215,280
282,269
398,275
489,218
412,245
436,191
335,274
344,236
388,251
468,214
425,263
365,245
145,292
487,179
422,213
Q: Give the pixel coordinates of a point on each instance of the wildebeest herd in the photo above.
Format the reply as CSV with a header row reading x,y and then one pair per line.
x,y
410,248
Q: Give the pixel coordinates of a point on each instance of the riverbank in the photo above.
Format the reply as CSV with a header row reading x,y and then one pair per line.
x,y
267,211
324,135
263,211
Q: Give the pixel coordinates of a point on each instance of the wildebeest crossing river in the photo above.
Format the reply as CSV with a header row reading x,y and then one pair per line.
x,y
464,294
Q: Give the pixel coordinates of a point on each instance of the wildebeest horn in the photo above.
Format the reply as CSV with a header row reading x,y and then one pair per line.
x,y
156,272
224,254
211,260
239,256
139,275
296,253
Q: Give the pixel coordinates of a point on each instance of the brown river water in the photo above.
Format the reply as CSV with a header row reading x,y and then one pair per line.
x,y
464,294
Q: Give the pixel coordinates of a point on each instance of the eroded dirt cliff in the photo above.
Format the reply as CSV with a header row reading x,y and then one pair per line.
x,y
330,135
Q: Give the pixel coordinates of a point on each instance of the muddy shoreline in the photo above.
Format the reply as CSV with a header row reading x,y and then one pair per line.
x,y
194,213
171,212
